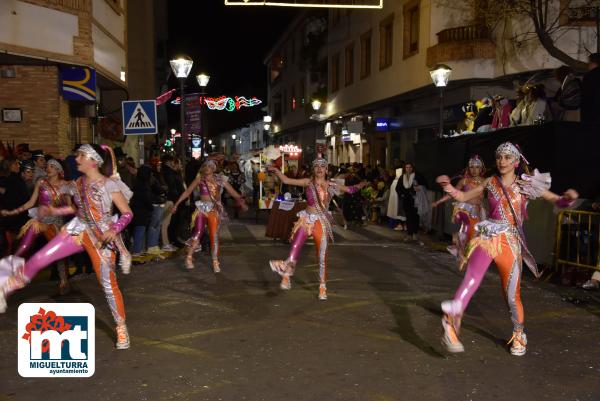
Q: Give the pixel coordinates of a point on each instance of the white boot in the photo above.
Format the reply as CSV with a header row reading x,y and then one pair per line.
x,y
12,278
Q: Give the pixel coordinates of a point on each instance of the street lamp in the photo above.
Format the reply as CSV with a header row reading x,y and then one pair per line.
x,y
181,67
203,82
440,74
316,104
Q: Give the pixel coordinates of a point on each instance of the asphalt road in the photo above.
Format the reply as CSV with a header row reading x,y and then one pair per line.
x,y
237,336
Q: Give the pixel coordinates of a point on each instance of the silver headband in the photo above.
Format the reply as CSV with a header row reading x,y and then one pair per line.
x,y
54,163
90,153
475,162
509,149
320,162
210,163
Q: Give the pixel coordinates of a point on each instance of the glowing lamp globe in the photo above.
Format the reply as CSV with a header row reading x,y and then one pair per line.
x,y
440,74
202,79
181,66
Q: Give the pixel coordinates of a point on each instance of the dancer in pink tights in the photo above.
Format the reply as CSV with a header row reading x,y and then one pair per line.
x,y
500,238
47,192
316,220
93,229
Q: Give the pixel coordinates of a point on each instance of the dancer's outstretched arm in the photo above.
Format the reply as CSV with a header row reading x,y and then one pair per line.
x,y
126,216
461,196
561,201
351,188
26,206
187,192
235,195
446,198
302,182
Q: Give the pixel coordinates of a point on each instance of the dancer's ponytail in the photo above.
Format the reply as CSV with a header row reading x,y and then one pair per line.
x,y
111,165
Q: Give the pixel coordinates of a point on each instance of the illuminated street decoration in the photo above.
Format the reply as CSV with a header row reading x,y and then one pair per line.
x,y
225,102
309,3
290,149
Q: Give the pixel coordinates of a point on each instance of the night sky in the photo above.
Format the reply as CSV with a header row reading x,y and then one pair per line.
x,y
229,44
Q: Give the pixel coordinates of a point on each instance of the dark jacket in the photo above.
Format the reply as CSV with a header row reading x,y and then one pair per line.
x,y
569,95
174,183
159,188
15,195
141,202
590,96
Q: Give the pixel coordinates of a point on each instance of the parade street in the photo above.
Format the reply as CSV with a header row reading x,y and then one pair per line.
x,y
196,335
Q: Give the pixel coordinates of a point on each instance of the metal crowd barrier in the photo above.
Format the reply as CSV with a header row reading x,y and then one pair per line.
x,y
578,239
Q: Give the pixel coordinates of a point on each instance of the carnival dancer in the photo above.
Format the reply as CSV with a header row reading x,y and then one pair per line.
x,y
47,192
93,229
469,213
210,210
500,238
315,220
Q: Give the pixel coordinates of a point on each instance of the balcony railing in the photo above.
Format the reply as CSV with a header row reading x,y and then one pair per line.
x,y
463,33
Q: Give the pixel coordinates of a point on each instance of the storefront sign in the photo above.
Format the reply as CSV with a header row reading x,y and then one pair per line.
x,y
290,149
386,124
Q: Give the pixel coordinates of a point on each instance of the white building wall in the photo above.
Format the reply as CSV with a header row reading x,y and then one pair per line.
x,y
35,27
108,36
412,73
106,16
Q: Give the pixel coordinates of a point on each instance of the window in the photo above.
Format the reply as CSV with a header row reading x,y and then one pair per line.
x,y
365,55
335,73
349,65
386,42
410,43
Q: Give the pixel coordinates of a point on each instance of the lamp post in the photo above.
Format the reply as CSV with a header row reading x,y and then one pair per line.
x,y
233,136
266,127
440,74
181,67
202,82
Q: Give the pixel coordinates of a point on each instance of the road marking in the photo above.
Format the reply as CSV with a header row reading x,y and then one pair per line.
x,y
257,231
178,349
225,233
194,334
169,300
349,234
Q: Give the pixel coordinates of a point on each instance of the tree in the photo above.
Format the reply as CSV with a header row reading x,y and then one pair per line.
x,y
549,20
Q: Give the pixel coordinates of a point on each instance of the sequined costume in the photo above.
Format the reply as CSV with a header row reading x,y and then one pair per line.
x,y
93,217
467,214
498,238
209,213
49,226
317,223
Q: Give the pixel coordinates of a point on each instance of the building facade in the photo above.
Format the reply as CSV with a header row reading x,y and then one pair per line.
x,y
42,40
297,75
379,86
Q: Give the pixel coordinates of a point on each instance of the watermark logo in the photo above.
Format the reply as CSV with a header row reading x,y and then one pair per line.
x,y
56,340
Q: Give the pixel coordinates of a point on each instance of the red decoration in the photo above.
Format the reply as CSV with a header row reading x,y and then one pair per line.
x,y
45,321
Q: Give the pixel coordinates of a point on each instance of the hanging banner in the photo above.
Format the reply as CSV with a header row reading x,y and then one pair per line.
x,y
193,114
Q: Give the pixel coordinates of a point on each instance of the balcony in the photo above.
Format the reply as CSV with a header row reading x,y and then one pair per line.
x,y
462,43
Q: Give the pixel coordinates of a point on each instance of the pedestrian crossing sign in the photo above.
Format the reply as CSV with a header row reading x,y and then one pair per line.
x,y
139,117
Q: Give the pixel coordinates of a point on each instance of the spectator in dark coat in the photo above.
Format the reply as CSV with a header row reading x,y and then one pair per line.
x,y
409,182
567,99
15,193
590,96
171,222
141,206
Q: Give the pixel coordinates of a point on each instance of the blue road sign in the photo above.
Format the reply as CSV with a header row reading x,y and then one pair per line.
x,y
139,117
